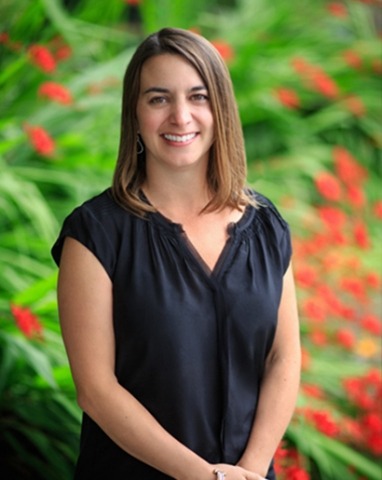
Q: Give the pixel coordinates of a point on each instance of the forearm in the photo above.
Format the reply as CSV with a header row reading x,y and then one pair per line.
x,y
275,408
136,431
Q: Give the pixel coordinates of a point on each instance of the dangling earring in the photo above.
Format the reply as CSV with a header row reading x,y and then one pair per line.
x,y
140,148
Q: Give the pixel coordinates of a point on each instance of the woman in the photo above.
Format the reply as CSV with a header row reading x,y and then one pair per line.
x,y
176,295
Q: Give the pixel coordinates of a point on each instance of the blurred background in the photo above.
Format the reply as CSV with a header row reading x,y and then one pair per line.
x,y
307,76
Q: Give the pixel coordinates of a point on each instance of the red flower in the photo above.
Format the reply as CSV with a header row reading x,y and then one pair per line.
x,y
377,209
352,59
328,186
333,217
60,50
313,391
361,235
324,84
305,359
225,50
314,309
337,9
301,65
296,473
319,338
27,322
377,66
372,324
62,53
42,58
374,443
373,280
56,92
4,37
323,422
346,338
306,276
347,167
40,139
355,286
132,2
356,196
355,106
288,97
372,424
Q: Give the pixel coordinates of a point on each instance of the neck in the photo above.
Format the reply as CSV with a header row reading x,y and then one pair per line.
x,y
177,192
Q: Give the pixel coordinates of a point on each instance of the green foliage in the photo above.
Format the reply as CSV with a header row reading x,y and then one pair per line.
x,y
307,80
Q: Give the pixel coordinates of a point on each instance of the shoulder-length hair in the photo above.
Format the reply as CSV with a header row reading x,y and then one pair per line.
x,y
226,173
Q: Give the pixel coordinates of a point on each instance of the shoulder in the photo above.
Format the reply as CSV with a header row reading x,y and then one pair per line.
x,y
267,211
100,206
98,224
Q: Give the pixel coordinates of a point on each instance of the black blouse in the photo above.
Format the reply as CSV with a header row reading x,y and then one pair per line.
x,y
191,343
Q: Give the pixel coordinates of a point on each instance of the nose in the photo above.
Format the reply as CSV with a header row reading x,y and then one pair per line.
x,y
180,113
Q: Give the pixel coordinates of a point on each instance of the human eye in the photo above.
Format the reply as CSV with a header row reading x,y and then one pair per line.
x,y
158,100
200,97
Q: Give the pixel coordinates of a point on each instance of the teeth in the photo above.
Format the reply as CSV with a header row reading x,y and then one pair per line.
x,y
179,138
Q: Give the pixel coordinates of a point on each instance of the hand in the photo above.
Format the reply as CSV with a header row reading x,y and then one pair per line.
x,y
233,472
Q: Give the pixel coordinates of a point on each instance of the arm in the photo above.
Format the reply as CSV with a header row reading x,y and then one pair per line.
x,y
279,387
85,310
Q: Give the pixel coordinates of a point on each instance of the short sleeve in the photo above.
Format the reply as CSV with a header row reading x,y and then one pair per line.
x,y
279,228
286,247
85,227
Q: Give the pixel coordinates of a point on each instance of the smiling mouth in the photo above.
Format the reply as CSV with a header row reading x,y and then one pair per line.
x,y
180,138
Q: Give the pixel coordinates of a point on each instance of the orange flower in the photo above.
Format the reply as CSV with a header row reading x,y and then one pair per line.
x,y
225,50
328,186
56,92
27,322
347,167
288,97
42,58
366,347
337,9
40,139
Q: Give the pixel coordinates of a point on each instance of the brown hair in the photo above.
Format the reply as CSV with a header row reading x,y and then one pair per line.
x,y
227,163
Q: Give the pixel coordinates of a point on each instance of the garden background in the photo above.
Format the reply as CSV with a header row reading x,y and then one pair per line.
x,y
307,75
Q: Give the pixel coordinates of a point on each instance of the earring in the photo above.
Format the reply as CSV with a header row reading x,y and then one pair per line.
x,y
140,148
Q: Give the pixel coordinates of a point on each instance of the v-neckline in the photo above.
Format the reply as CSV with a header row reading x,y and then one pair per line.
x,y
192,252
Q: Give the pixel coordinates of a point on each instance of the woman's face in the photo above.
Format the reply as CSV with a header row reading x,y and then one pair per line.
x,y
174,113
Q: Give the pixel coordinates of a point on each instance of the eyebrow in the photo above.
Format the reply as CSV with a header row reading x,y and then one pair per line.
x,y
166,90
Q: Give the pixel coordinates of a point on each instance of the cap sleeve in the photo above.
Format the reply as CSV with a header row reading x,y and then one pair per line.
x,y
85,227
280,230
286,247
